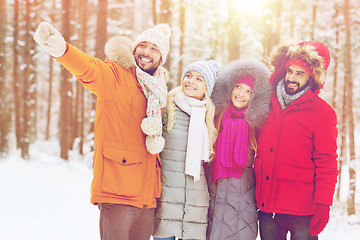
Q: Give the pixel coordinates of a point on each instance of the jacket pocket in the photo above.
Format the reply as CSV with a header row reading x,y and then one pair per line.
x,y
122,174
296,174
295,188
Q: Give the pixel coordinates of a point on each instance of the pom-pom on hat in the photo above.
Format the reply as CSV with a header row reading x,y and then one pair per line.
x,y
159,35
208,69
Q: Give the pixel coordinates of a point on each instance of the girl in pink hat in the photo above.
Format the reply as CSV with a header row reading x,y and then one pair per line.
x,y
241,97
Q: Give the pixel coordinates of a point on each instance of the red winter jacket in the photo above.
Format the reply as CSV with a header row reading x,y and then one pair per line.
x,y
296,164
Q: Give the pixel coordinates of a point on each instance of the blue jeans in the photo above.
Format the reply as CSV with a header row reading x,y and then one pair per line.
x,y
276,227
170,238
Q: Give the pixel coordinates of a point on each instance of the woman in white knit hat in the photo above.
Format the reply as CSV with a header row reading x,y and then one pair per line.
x,y
189,133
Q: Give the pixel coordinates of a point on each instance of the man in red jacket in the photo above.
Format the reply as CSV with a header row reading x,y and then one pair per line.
x,y
296,162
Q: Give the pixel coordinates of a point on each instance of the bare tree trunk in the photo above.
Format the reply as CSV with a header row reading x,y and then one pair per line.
x,y
272,27
65,89
28,82
51,76
48,115
33,11
74,129
130,16
234,35
342,135
5,116
83,21
349,110
182,22
101,38
101,29
292,21
277,31
75,115
165,17
154,11
16,80
334,101
313,18
336,55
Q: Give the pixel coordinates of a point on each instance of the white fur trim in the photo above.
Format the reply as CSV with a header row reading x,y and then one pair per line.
x,y
155,144
119,50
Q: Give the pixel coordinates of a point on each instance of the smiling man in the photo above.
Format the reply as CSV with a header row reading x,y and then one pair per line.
x,y
296,79
147,57
296,160
130,86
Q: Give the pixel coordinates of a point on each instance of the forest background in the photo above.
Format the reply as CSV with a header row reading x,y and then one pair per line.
x,y
40,100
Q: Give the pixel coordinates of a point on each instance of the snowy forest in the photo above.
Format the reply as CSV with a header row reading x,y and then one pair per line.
x,y
40,100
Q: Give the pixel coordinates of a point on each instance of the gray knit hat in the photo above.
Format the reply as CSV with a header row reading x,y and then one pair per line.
x,y
208,69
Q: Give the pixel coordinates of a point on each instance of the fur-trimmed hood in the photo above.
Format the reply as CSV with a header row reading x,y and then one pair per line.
x,y
259,105
119,50
316,54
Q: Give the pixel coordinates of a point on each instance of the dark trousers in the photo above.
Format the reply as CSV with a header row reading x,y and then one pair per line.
x,y
124,222
276,227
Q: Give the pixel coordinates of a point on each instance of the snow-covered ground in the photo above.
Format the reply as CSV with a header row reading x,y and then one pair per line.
x,y
47,198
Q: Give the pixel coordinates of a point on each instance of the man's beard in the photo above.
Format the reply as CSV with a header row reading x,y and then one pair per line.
x,y
151,70
292,91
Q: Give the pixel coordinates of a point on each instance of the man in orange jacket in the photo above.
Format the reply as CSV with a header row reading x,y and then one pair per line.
x,y
130,86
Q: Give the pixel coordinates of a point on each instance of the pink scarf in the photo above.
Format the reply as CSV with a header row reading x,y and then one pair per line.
x,y
232,143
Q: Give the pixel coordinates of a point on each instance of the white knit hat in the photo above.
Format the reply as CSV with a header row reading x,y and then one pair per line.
x,y
159,36
208,69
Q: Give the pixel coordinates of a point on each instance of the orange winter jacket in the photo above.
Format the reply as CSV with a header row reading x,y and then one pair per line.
x,y
124,171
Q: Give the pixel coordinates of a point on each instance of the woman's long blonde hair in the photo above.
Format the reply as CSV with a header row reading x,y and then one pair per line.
x,y
209,117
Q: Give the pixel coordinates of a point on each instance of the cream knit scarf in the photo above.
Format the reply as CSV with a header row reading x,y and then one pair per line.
x,y
155,90
198,135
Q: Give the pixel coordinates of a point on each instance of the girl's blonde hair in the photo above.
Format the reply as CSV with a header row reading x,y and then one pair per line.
x,y
209,117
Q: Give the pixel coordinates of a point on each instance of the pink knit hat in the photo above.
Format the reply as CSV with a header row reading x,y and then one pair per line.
x,y
248,80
